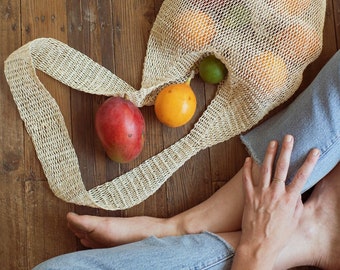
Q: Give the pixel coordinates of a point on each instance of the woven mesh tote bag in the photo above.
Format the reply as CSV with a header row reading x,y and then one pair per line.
x,y
265,45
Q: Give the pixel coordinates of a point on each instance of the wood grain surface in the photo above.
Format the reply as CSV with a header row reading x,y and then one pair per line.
x,y
114,33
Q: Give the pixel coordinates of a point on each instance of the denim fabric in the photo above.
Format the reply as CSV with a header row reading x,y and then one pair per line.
x,y
313,119
193,251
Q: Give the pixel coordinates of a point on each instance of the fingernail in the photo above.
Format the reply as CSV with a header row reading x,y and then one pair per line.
x,y
289,138
272,144
315,152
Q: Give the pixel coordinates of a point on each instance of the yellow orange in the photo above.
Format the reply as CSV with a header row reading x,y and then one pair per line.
x,y
267,71
194,29
298,43
175,104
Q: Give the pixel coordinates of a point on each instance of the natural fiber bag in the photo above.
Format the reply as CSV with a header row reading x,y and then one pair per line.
x,y
265,45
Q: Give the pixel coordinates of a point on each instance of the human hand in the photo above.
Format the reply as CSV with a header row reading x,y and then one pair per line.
x,y
272,209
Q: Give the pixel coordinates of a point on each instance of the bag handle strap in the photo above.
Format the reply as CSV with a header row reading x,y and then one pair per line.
x,y
45,124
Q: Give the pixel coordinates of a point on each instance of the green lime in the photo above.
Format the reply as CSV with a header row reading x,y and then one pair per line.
x,y
238,16
212,70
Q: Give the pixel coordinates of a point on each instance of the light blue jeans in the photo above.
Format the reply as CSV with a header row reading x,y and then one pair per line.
x,y
193,251
313,119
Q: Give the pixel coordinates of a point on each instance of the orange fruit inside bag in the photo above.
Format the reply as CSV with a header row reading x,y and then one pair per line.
x,y
195,29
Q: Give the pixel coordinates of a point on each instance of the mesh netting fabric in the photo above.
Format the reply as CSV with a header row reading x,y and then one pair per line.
x,y
265,45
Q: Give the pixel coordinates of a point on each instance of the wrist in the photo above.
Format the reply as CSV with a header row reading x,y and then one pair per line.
x,y
253,256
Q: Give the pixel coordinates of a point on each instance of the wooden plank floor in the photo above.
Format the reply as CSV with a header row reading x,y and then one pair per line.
x,y
114,33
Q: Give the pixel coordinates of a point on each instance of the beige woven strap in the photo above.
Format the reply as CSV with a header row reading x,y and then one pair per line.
x,y
45,124
239,104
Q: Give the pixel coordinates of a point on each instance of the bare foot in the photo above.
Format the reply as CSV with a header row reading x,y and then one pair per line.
x,y
96,232
326,201
317,239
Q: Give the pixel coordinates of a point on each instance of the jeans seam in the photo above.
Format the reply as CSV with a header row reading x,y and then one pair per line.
x,y
328,147
218,262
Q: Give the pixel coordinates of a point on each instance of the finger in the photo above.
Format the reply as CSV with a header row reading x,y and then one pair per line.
x,y
304,172
282,164
267,165
247,178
